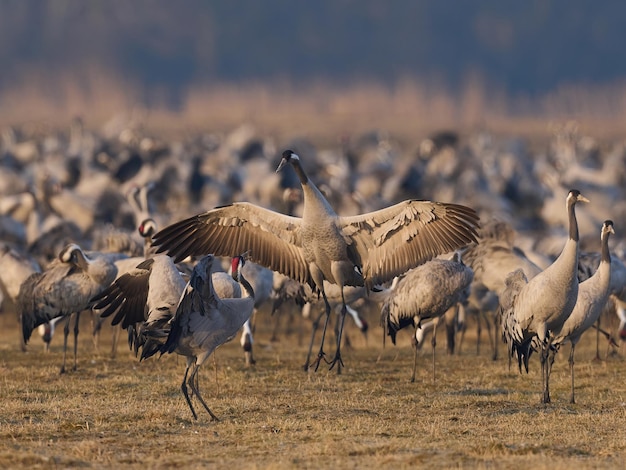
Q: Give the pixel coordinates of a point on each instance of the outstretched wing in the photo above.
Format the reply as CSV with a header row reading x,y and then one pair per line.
x,y
272,239
126,297
393,240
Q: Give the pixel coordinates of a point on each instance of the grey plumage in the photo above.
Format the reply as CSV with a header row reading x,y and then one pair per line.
x,y
143,299
164,314
424,293
492,259
540,306
63,289
204,322
366,249
592,296
262,281
588,263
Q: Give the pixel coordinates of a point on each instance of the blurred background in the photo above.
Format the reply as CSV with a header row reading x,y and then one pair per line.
x,y
411,66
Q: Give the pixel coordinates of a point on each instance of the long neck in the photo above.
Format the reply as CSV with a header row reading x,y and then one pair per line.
x,y
304,179
245,284
603,275
573,224
313,197
605,255
567,262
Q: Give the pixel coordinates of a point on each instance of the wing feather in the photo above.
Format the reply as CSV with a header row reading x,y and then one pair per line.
x,y
403,236
126,297
273,239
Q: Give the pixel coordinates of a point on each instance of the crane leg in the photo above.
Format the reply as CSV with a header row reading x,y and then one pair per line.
x,y
96,323
114,339
314,327
415,347
597,358
479,328
571,367
276,310
496,328
545,371
22,340
246,343
66,333
433,342
196,392
337,359
76,340
321,354
183,387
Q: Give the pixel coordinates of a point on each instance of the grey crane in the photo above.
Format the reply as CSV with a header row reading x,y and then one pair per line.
x,y
63,289
592,296
204,322
262,281
124,265
492,259
144,298
362,250
540,306
588,263
165,314
425,292
16,268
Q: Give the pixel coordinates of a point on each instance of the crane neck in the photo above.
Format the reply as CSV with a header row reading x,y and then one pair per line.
x,y
304,179
573,224
245,284
604,253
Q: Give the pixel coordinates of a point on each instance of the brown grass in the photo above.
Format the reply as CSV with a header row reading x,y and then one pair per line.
x,y
122,413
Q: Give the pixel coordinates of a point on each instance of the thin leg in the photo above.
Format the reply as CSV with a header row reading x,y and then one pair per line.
x,y
246,343
337,359
571,367
22,342
461,337
66,333
277,312
433,342
183,387
597,358
545,371
96,323
321,354
496,328
114,339
450,336
314,328
196,392
415,347
479,329
76,340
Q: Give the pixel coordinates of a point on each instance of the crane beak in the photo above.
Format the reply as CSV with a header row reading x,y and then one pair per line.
x,y
282,163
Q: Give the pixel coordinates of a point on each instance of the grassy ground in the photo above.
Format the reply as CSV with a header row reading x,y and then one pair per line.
x,y
113,413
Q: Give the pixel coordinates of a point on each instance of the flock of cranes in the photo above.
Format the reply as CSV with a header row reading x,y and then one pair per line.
x,y
172,293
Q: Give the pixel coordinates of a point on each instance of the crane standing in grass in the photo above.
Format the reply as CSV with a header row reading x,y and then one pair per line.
x,y
165,314
539,307
592,296
203,322
424,293
64,289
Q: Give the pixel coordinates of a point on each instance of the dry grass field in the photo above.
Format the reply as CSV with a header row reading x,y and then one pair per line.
x,y
122,413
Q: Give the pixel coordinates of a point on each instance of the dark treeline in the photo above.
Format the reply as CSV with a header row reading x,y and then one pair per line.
x,y
520,46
